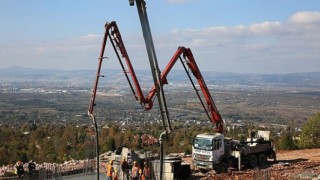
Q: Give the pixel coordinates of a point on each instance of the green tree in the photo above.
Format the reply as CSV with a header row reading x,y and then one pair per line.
x,y
286,142
69,142
139,142
48,152
310,134
4,156
89,148
109,145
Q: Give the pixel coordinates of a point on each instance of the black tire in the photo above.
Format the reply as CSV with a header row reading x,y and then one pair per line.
x,y
235,163
223,168
203,171
253,161
262,160
272,157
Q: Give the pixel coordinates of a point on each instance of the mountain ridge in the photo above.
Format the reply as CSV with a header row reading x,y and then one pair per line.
x,y
305,79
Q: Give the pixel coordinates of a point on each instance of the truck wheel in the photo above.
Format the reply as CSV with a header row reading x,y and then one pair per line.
x,y
262,160
223,168
203,171
235,163
253,161
272,157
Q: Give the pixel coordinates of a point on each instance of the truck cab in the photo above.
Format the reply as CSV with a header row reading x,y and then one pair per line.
x,y
208,151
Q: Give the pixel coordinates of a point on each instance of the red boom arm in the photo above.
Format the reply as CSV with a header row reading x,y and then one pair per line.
x,y
190,61
112,32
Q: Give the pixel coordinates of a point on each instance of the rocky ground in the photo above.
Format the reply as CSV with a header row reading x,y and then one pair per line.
x,y
296,164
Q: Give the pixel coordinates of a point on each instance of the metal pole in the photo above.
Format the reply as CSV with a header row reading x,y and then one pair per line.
x,y
141,7
97,143
161,153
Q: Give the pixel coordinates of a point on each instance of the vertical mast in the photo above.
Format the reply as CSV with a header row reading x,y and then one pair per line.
x,y
141,6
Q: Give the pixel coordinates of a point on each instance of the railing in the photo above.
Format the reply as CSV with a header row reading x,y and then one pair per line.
x,y
57,171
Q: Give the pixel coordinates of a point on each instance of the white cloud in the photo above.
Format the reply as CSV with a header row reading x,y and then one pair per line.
x,y
57,54
196,42
265,27
90,37
266,47
305,18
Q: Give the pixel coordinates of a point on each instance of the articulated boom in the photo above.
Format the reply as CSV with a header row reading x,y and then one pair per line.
x,y
112,32
191,63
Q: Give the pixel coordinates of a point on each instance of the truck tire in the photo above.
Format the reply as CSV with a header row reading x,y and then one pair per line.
x,y
222,168
235,163
272,157
253,161
262,160
203,171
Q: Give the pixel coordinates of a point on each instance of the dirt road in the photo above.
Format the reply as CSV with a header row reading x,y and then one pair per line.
x,y
296,164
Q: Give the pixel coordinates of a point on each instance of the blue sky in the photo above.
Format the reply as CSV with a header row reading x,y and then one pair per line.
x,y
261,36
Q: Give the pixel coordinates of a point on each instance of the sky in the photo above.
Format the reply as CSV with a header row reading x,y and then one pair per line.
x,y
247,36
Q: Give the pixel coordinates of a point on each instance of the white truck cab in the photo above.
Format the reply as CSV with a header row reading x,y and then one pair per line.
x,y
207,150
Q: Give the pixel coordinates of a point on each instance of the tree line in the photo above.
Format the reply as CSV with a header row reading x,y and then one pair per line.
x,y
61,142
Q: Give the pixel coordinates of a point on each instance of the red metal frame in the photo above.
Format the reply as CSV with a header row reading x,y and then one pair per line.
x,y
112,32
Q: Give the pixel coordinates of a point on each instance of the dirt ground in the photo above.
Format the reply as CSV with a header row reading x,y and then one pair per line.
x,y
296,164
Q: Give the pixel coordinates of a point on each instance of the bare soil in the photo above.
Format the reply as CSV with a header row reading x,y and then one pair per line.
x,y
294,164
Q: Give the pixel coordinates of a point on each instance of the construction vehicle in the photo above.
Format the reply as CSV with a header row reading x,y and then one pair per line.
x,y
212,151
216,152
209,151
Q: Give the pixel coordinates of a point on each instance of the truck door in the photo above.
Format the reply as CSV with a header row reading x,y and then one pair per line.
x,y
218,149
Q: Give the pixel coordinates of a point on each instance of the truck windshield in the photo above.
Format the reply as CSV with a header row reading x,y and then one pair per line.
x,y
202,143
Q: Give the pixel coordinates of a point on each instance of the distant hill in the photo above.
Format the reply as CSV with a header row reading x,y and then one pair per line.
x,y
87,77
311,79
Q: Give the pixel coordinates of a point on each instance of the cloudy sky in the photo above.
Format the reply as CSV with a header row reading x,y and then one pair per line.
x,y
249,36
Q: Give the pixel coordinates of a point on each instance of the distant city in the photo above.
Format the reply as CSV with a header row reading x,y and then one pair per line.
x,y
54,95
22,78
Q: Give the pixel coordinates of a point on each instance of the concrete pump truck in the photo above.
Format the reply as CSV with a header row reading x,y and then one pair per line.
x,y
209,151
